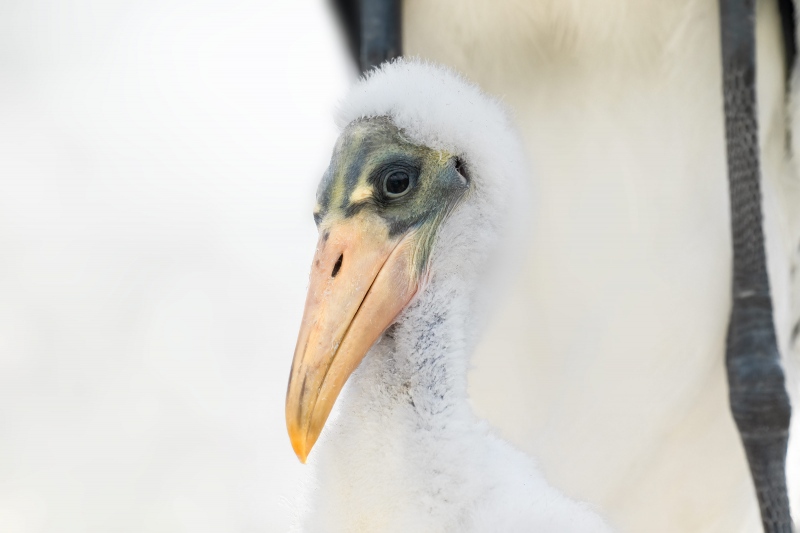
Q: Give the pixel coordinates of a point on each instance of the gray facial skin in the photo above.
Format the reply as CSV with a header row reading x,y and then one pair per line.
x,y
409,187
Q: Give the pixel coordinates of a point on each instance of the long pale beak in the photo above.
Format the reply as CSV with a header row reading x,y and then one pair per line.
x,y
361,278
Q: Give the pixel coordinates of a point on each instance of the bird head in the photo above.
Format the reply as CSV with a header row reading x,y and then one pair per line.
x,y
418,185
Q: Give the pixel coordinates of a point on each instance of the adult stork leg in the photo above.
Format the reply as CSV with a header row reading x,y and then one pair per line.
x,y
372,28
758,398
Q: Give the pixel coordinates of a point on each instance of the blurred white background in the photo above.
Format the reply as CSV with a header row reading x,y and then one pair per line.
x,y
157,167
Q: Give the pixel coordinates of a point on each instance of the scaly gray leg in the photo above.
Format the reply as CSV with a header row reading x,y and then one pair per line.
x,y
372,28
758,397
380,32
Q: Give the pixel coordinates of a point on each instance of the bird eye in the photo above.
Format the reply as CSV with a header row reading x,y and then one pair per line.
x,y
396,184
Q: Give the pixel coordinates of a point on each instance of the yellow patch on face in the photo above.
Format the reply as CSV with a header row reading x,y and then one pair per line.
x,y
360,194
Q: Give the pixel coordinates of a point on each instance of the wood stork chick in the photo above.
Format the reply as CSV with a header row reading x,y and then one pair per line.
x,y
412,211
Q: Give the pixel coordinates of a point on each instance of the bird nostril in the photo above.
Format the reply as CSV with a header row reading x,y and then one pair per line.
x,y
337,266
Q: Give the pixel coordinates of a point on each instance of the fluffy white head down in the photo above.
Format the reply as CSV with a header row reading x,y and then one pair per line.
x,y
437,107
406,453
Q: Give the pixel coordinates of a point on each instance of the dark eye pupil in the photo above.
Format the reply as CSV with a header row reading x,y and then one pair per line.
x,y
397,183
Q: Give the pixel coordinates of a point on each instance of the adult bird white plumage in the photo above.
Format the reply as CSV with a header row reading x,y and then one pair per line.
x,y
413,212
620,390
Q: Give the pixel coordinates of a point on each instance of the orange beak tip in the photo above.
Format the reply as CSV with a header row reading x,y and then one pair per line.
x,y
300,450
